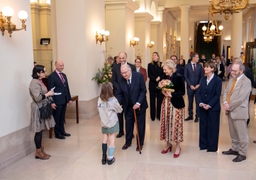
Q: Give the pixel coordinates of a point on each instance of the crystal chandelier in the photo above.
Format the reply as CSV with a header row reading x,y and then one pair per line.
x,y
227,7
213,28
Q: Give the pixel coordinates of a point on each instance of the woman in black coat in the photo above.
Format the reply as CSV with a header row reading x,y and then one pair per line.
x,y
155,74
172,110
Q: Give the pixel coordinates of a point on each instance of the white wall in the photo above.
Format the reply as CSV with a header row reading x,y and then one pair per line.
x,y
76,44
16,58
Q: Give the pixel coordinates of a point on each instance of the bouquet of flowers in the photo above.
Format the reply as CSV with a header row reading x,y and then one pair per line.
x,y
166,85
103,75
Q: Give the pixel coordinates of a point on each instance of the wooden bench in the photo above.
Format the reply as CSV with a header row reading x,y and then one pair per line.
x,y
73,98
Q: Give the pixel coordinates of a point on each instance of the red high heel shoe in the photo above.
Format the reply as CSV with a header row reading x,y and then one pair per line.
x,y
166,150
177,155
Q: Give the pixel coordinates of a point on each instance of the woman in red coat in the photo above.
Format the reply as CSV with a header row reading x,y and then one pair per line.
x,y
140,69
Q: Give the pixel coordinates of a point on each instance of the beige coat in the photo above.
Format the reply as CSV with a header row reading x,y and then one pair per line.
x,y
239,98
36,90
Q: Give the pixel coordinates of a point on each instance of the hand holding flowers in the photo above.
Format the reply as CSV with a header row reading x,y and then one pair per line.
x,y
166,86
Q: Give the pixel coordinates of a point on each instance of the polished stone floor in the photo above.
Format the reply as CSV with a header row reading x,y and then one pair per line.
x,y
79,157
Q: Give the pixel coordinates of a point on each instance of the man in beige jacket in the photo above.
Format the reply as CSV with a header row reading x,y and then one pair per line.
x,y
235,100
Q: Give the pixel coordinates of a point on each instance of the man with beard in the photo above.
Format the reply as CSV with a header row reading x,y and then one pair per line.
x,y
235,100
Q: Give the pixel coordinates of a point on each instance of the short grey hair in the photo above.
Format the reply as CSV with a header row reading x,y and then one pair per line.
x,y
170,64
241,65
125,66
238,60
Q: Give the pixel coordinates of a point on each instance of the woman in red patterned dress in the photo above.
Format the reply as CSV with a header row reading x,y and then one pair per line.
x,y
172,109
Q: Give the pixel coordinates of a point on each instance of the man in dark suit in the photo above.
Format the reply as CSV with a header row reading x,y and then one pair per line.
x,y
193,73
59,82
132,94
179,68
122,56
220,70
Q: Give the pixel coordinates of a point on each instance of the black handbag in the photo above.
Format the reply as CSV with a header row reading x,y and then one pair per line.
x,y
46,110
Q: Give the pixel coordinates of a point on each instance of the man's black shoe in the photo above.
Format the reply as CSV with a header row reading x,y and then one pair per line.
x,y
230,152
189,118
196,120
60,137
239,158
126,146
119,135
66,134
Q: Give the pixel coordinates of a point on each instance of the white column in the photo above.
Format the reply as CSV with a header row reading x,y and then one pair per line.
x,y
142,30
120,24
236,34
184,34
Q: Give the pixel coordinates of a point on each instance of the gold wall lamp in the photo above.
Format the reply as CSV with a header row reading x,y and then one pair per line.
x,y
102,36
135,41
151,44
5,20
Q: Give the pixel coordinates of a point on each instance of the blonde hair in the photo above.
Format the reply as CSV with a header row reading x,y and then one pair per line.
x,y
158,61
170,64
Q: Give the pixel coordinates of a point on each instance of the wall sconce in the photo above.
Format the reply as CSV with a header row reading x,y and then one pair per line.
x,y
151,44
102,36
134,42
242,48
5,20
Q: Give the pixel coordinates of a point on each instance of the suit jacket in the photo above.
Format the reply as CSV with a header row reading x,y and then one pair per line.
x,y
179,90
239,98
222,69
210,94
248,73
116,74
137,94
190,77
180,70
143,71
153,72
55,81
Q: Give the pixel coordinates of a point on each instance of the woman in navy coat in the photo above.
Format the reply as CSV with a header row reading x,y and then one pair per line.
x,y
209,102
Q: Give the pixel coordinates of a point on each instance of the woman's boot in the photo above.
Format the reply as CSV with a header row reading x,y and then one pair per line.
x,y
40,155
42,149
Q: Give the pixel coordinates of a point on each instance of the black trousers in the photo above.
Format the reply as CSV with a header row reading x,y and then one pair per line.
x,y
155,107
129,125
209,126
121,122
191,95
59,117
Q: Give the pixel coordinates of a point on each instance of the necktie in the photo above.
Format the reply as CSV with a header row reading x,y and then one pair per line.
x,y
62,78
194,65
231,90
129,83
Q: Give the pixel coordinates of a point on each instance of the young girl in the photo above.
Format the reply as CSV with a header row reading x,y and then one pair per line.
x,y
108,107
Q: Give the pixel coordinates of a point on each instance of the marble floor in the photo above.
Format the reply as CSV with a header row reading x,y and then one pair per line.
x,y
79,157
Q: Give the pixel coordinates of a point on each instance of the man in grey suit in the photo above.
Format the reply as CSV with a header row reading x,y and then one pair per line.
x,y
193,73
235,98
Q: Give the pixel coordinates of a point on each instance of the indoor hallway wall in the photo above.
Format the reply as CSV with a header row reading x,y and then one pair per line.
x,y
74,36
16,68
